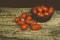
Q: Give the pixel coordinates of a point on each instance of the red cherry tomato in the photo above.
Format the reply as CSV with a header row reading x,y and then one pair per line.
x,y
51,10
20,23
23,15
40,14
46,14
17,19
34,11
24,27
27,21
28,17
39,9
33,23
36,27
44,8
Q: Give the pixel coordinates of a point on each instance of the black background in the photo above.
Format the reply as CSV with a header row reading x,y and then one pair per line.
x,y
29,3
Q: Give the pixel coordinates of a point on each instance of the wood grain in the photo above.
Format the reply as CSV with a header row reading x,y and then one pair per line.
x,y
10,30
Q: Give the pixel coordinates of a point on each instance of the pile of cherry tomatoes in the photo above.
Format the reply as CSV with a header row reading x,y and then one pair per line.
x,y
26,20
43,11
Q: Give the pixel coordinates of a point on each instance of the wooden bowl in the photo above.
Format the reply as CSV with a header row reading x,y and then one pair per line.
x,y
41,18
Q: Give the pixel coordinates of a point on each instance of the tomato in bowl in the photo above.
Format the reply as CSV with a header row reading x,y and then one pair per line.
x,y
42,13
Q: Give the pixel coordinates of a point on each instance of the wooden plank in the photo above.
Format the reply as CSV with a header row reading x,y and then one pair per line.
x,y
9,29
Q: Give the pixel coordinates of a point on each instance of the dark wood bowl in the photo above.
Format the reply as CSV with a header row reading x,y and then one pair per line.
x,y
41,19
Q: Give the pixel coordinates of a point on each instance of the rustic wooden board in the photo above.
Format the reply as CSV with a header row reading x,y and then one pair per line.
x,y
9,30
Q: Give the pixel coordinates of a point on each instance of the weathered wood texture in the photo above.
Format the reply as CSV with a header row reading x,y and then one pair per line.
x,y
9,30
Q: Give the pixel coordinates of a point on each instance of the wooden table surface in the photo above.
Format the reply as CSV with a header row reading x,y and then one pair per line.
x,y
9,30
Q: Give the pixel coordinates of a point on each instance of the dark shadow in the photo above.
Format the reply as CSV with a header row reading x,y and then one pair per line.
x,y
29,3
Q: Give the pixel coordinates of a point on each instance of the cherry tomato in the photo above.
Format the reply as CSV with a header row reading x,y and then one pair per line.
x,y
23,15
24,27
36,27
39,9
17,19
46,14
33,23
40,14
21,23
51,10
27,21
28,17
34,11
44,8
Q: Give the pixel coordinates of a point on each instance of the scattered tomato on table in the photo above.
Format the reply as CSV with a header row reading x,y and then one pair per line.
x,y
23,15
28,17
20,23
27,21
17,19
36,27
24,27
